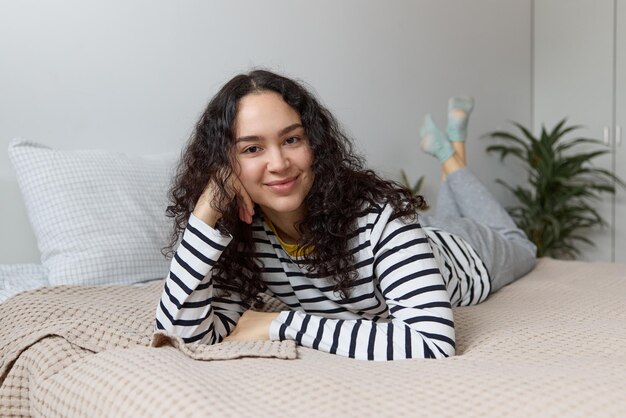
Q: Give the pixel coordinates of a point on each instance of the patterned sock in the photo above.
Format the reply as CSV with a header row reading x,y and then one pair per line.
x,y
459,109
434,141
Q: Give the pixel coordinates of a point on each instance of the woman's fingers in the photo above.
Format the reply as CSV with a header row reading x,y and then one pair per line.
x,y
246,207
242,214
204,206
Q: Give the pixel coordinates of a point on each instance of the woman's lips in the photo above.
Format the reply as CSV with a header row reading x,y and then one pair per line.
x,y
282,186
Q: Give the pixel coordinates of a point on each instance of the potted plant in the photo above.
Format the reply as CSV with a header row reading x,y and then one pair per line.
x,y
415,188
556,205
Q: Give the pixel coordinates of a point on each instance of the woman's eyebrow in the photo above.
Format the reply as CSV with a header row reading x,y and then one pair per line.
x,y
283,131
289,128
249,138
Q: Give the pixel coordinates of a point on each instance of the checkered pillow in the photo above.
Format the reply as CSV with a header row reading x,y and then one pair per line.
x,y
98,216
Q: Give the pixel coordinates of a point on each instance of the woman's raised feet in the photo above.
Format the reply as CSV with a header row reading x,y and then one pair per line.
x,y
459,109
434,141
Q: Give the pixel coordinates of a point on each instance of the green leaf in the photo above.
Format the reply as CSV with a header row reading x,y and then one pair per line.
x,y
405,179
574,142
418,185
509,137
504,151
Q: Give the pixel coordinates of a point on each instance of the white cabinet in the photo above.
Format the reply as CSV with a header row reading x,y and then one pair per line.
x,y
579,57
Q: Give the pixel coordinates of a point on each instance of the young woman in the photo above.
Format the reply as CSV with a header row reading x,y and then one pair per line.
x,y
269,197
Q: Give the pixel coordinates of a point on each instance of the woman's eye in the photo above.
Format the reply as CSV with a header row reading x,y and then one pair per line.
x,y
292,140
251,150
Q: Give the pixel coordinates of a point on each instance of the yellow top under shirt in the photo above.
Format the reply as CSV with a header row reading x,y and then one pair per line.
x,y
293,250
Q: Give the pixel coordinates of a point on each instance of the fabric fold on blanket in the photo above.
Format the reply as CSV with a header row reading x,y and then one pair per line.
x,y
102,318
226,350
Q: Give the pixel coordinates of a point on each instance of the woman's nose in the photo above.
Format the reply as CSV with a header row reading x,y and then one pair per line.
x,y
278,161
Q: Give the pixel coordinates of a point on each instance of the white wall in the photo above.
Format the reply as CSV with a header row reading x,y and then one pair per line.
x,y
135,75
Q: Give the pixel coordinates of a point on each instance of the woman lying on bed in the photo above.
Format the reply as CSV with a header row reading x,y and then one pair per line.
x,y
269,197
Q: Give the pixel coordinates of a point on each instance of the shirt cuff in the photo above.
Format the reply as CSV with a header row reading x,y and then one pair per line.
x,y
276,324
208,231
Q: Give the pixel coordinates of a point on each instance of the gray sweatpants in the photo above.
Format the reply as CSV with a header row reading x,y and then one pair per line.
x,y
466,208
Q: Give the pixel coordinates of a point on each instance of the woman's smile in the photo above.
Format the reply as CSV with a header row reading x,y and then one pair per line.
x,y
282,186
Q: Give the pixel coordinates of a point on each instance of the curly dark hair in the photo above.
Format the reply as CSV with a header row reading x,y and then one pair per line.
x,y
342,187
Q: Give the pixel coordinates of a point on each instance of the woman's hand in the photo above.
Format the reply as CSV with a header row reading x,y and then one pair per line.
x,y
252,325
204,206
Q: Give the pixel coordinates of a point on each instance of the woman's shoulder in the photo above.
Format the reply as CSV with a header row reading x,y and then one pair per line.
x,y
370,208
384,216
376,215
381,207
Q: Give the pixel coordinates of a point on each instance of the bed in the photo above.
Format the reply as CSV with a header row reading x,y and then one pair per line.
x,y
77,331
551,344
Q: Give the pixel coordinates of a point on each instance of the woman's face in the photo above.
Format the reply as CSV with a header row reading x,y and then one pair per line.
x,y
273,154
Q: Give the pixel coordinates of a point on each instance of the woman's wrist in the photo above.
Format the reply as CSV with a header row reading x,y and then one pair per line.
x,y
206,214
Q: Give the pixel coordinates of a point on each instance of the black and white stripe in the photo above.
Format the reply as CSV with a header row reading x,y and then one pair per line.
x,y
465,274
397,308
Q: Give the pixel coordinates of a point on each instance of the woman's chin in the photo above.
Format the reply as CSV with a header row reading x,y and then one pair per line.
x,y
282,209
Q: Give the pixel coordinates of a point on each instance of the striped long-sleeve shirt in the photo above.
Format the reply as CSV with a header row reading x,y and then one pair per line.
x,y
465,274
397,308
